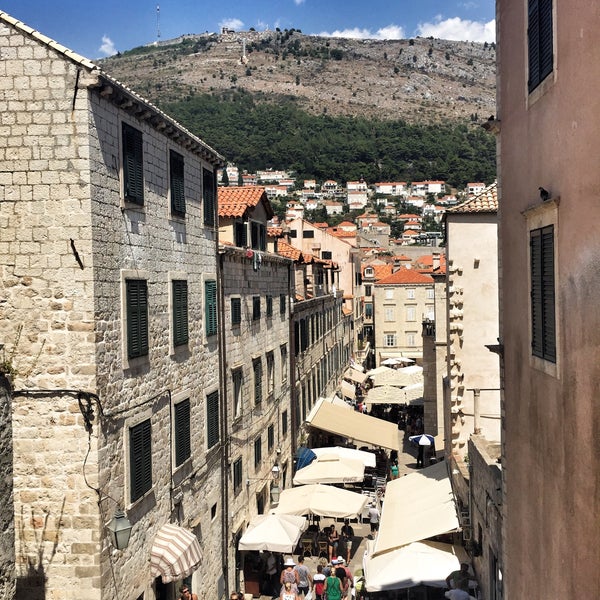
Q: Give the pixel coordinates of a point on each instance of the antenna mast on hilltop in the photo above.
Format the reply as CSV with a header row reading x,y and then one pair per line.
x,y
157,22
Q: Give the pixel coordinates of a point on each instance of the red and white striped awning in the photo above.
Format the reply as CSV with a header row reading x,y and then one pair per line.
x,y
175,553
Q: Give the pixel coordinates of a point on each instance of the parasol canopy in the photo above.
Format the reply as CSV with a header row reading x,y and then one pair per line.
x,y
278,533
331,468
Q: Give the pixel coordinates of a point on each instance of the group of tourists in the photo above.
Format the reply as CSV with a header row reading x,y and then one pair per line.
x,y
332,580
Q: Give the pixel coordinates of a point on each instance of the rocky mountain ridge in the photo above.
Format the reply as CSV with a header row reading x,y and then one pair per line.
x,y
421,80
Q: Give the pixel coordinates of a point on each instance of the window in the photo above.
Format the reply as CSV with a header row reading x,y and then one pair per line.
x,y
258,233
411,338
369,310
282,303
543,328
388,312
255,308
208,197
270,373
293,233
304,339
133,165
257,452
177,183
410,293
137,317
430,294
240,232
210,305
389,339
183,449
284,422
540,42
237,393
389,293
411,313
180,312
212,419
236,311
430,312
326,254
269,306
140,459
270,437
257,367
284,362
368,290
237,475
308,233
369,272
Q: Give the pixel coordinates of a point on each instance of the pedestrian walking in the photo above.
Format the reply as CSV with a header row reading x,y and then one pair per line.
x,y
374,516
304,577
319,582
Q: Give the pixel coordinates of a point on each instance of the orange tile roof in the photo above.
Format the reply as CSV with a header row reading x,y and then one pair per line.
x,y
426,261
287,251
405,276
237,201
380,271
484,202
274,231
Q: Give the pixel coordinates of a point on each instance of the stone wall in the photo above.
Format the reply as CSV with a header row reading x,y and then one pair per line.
x,y
7,524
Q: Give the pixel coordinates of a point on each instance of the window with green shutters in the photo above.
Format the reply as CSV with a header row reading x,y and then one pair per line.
x,y
269,306
282,303
212,419
539,41
183,448
133,165
257,452
257,367
236,311
209,194
270,437
284,422
240,234
237,475
543,326
255,308
210,304
137,317
140,460
180,312
177,183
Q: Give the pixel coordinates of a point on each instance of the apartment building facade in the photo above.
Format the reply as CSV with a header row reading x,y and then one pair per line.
x,y
109,272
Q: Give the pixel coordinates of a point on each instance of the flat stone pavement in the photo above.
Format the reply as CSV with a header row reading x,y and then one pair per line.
x,y
407,463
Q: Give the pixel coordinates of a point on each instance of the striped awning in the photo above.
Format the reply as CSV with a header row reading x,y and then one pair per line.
x,y
175,553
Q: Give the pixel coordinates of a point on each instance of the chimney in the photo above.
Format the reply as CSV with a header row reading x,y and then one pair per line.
x,y
396,266
436,260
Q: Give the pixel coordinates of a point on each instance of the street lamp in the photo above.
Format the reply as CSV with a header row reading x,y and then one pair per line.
x,y
119,530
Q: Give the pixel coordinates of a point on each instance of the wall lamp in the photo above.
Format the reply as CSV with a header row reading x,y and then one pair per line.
x,y
119,530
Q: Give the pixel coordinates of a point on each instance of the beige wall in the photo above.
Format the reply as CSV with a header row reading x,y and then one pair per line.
x,y
62,200
549,138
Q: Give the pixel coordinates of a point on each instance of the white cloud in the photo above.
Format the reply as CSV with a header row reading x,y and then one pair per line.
x,y
389,32
234,24
298,2
458,29
107,48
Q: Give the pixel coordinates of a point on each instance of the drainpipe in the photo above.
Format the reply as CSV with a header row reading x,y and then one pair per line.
x,y
476,412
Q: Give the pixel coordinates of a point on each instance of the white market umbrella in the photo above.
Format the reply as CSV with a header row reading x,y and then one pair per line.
x,y
385,394
397,360
322,500
277,533
368,458
399,377
331,468
379,371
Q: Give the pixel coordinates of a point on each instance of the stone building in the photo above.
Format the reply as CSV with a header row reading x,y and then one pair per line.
x,y
549,199
109,271
7,518
255,373
401,301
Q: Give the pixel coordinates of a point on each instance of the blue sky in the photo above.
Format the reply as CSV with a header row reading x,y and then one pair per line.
x,y
96,28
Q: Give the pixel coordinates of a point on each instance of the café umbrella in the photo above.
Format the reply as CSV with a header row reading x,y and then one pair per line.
x,y
331,468
423,439
277,533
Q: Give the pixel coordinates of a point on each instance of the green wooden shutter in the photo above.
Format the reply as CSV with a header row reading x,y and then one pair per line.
x,y
208,196
543,326
183,447
137,317
255,308
133,164
210,303
177,183
540,41
257,381
180,312
257,452
140,459
236,311
212,419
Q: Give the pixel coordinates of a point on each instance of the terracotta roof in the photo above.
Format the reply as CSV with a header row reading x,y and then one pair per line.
x,y
340,233
287,251
347,224
274,232
426,261
484,202
323,225
405,276
381,271
237,201
401,257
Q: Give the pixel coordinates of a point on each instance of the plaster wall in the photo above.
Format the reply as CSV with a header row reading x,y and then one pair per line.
x,y
549,139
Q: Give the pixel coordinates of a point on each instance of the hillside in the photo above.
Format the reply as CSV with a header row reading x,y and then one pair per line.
x,y
418,80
